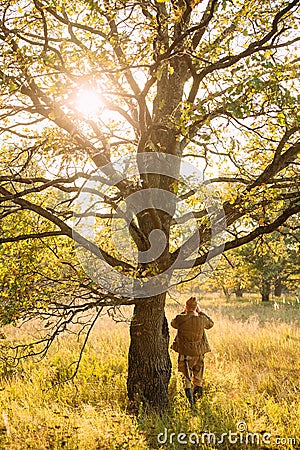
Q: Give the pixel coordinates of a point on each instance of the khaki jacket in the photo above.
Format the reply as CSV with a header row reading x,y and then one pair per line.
x,y
191,339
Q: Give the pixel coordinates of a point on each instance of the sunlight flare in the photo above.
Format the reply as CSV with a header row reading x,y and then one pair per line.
x,y
88,103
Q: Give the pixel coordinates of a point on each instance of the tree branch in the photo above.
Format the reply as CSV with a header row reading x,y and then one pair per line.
x,y
68,231
25,237
259,231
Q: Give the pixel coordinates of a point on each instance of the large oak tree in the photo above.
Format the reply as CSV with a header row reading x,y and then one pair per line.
x,y
211,82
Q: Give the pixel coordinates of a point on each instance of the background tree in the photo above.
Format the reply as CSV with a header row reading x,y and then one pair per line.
x,y
85,83
269,264
231,275
270,261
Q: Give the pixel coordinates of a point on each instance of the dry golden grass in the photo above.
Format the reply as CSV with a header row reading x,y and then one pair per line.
x,y
252,375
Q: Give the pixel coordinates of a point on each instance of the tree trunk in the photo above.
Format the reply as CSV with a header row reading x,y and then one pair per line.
x,y
238,292
226,292
266,290
149,364
278,287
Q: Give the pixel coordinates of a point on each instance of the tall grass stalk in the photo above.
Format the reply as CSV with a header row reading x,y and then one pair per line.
x,y
251,377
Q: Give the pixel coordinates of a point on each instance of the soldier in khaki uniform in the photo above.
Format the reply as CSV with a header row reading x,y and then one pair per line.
x,y
191,344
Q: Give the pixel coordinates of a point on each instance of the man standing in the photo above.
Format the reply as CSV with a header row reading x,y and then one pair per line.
x,y
191,344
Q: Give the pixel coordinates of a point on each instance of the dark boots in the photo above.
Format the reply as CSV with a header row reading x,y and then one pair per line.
x,y
190,396
197,392
193,396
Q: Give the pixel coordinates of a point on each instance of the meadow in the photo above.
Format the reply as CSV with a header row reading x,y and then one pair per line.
x,y
251,388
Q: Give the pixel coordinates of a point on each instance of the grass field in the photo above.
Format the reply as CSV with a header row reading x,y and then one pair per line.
x,y
251,380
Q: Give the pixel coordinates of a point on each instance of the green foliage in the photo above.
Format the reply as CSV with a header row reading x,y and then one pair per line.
x,y
228,99
31,278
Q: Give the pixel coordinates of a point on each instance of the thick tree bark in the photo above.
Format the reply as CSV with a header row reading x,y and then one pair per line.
x,y
149,364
